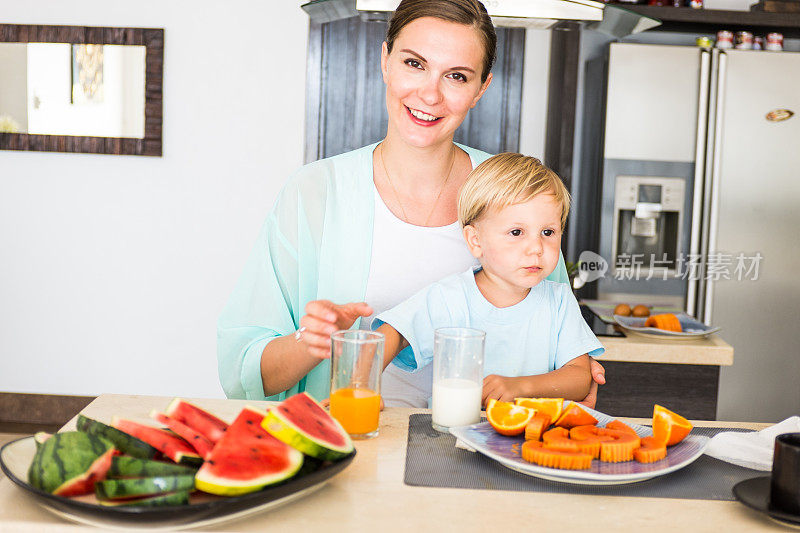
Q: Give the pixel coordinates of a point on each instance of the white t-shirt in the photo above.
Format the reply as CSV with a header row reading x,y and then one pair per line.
x,y
405,259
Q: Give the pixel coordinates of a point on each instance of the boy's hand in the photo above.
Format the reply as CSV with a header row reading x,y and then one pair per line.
x,y
502,388
323,318
598,378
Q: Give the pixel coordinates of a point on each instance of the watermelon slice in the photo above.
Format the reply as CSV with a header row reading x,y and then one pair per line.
x,y
199,420
171,446
69,463
197,441
125,466
172,498
247,458
121,440
302,423
117,489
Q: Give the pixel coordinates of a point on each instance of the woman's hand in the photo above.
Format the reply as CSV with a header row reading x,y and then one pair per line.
x,y
323,318
598,378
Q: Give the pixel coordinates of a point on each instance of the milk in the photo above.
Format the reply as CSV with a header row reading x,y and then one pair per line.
x,y
456,402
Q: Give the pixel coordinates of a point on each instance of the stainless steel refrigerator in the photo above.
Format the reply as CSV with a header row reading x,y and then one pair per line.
x,y
702,171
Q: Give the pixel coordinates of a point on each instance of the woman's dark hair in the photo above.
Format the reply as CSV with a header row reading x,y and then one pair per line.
x,y
467,12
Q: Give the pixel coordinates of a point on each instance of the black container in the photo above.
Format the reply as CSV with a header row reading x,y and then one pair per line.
x,y
785,484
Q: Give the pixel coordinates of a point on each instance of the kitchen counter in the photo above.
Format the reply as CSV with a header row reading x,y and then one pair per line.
x,y
637,349
681,374
370,495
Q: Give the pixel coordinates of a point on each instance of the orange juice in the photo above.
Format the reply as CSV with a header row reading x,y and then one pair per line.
x,y
357,410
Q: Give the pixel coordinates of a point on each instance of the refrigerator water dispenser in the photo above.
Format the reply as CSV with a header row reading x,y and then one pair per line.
x,y
648,212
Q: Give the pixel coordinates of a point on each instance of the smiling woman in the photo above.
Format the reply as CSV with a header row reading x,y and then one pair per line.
x,y
373,225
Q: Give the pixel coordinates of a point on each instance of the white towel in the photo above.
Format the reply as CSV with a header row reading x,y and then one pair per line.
x,y
750,450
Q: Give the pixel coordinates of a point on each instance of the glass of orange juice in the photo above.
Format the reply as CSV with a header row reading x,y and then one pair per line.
x,y
356,366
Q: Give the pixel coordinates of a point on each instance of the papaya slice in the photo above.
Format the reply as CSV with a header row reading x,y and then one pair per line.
x,y
668,427
573,416
588,439
554,434
665,321
621,426
619,449
564,445
591,447
536,452
587,432
652,450
537,426
547,406
558,439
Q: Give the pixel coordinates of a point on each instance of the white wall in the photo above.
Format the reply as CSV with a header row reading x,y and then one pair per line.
x,y
113,269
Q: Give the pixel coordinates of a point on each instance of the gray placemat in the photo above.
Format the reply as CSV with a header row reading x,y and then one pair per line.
x,y
432,460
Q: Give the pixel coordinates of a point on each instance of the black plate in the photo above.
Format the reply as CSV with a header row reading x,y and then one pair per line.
x,y
754,493
313,472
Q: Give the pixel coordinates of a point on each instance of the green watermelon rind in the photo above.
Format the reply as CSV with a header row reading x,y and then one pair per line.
x,y
68,459
125,443
180,497
116,489
277,425
212,484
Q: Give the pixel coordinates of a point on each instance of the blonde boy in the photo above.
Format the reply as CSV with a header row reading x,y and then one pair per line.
x,y
512,210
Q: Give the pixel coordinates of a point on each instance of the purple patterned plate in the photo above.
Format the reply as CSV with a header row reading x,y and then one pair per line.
x,y
484,439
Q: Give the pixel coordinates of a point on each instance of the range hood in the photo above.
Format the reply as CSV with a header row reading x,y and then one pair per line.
x,y
541,14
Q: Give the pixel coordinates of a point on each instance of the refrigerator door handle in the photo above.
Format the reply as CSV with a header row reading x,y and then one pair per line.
x,y
699,176
713,203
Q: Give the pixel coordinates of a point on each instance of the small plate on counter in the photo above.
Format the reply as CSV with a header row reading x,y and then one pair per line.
x,y
605,308
692,328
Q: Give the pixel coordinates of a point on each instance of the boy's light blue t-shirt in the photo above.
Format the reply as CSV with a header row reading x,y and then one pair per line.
x,y
539,334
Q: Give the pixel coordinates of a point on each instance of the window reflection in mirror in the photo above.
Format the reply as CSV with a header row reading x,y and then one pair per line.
x,y
72,89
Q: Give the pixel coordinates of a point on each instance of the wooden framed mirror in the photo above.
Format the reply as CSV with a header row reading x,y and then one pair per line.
x,y
81,89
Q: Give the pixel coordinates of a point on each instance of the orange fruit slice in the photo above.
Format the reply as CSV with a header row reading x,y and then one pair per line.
x,y
547,406
668,427
573,416
507,418
651,451
538,424
536,452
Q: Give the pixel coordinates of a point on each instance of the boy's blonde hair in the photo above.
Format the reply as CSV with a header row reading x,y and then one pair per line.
x,y
506,179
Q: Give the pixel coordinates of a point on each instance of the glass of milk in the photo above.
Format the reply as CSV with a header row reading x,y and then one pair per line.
x,y
457,377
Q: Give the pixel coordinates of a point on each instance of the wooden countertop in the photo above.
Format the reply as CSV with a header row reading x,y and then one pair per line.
x,y
635,348
370,495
